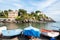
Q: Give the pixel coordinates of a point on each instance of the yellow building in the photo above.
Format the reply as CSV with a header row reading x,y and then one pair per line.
x,y
12,15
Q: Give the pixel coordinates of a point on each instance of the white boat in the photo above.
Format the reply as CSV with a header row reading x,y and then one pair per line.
x,y
53,34
9,33
49,33
2,28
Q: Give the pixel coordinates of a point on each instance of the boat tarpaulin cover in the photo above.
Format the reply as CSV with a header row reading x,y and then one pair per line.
x,y
31,31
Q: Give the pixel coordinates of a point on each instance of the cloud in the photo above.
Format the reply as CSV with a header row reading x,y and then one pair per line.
x,y
44,4
53,10
17,5
12,0
1,1
27,4
49,7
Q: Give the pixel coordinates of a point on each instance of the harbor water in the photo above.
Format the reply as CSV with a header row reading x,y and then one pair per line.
x,y
49,26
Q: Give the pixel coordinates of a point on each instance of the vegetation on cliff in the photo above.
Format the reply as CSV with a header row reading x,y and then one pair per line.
x,y
23,16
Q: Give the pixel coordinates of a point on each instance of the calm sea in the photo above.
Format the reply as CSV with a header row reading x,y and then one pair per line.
x,y
49,26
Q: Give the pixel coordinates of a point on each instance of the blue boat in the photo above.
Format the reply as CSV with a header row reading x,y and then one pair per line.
x,y
32,32
11,32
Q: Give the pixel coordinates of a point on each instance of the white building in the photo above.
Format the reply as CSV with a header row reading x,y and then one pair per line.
x,y
12,15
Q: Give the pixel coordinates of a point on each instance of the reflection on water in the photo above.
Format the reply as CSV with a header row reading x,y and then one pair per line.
x,y
50,26
24,25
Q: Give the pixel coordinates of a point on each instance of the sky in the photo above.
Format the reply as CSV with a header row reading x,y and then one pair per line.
x,y
50,7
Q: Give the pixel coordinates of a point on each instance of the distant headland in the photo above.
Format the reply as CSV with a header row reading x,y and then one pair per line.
x,y
22,16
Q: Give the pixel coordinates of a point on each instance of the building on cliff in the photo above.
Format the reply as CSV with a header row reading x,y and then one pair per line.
x,y
12,15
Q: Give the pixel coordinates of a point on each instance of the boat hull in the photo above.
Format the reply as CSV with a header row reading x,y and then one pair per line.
x,y
44,33
11,33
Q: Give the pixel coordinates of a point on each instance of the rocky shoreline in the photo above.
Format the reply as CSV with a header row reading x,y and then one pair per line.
x,y
34,21
28,21
22,16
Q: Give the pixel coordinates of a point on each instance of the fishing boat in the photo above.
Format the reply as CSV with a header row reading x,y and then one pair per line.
x,y
10,33
31,32
49,33
1,29
58,37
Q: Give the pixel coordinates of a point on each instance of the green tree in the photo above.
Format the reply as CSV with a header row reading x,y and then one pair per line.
x,y
32,14
10,10
22,11
5,13
37,11
2,14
